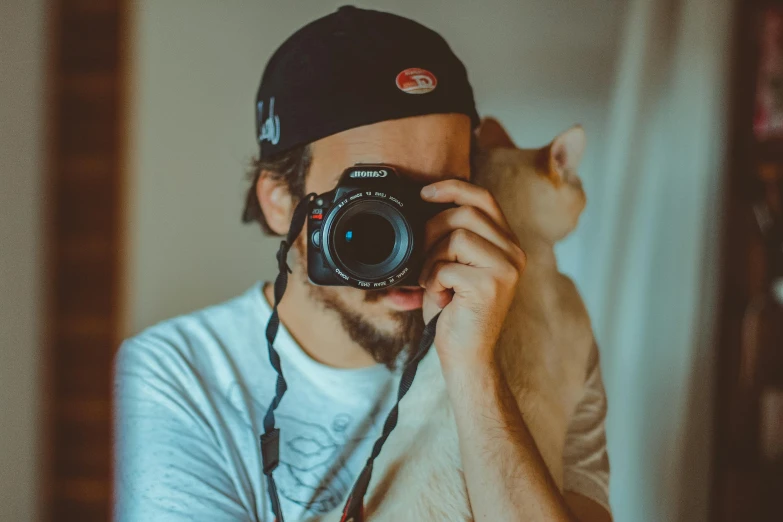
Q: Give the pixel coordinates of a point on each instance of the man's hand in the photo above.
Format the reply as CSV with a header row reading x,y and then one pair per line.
x,y
473,264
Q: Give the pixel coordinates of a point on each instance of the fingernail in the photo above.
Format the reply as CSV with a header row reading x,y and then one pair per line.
x,y
428,191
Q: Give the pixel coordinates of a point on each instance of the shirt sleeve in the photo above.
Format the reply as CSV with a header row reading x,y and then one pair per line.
x,y
585,459
168,467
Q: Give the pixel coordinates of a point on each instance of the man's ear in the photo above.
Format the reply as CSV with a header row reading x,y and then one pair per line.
x,y
564,154
276,203
492,135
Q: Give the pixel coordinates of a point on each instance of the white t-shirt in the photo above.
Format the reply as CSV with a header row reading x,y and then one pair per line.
x,y
190,398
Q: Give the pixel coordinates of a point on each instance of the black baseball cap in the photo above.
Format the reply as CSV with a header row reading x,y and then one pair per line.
x,y
355,67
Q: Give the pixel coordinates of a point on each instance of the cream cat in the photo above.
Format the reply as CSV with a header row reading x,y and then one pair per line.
x,y
543,350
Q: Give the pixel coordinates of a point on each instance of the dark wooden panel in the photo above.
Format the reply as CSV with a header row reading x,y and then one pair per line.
x,y
741,489
85,100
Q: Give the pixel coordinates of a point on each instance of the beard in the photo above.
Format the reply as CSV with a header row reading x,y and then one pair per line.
x,y
384,339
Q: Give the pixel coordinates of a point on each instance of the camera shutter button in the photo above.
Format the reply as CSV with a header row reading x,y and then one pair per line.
x,y
316,238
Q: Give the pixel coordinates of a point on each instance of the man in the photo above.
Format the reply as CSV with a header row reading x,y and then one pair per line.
x,y
356,86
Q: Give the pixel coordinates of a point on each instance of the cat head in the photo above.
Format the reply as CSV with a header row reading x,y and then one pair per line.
x,y
538,189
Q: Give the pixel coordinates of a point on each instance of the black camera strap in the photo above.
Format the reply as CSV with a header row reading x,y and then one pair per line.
x,y
270,439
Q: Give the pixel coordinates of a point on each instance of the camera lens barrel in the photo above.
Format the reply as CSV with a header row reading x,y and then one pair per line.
x,y
368,238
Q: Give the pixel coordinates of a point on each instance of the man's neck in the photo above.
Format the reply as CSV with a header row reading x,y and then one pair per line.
x,y
316,329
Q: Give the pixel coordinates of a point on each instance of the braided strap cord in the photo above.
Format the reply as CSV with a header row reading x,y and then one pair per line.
x,y
270,440
354,506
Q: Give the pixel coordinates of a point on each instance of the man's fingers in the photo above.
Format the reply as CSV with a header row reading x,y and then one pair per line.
x,y
444,280
461,192
467,248
473,220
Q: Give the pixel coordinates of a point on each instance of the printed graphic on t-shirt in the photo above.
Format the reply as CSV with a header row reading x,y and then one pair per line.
x,y
314,471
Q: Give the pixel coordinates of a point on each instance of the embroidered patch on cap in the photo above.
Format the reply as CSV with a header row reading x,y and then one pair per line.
x,y
416,81
269,129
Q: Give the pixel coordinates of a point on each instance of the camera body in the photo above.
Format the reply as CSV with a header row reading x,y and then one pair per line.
x,y
368,232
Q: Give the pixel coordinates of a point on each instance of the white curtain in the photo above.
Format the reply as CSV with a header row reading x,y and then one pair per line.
x,y
649,268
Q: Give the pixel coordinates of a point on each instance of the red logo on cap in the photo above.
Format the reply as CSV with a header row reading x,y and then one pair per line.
x,y
416,81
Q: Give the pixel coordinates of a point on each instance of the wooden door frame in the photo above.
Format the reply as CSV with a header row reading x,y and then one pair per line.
x,y
84,195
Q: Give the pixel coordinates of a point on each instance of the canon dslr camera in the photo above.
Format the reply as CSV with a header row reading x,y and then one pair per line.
x,y
369,231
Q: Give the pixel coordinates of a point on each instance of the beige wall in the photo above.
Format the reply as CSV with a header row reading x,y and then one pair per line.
x,y
539,65
22,50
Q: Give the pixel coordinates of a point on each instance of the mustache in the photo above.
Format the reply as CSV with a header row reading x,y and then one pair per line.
x,y
373,296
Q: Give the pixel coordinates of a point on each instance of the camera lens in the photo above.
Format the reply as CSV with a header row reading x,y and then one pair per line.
x,y
366,238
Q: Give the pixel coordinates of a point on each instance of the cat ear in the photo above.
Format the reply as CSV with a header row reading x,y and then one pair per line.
x,y
565,153
492,135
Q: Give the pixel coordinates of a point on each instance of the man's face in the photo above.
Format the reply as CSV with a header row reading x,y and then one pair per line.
x,y
423,148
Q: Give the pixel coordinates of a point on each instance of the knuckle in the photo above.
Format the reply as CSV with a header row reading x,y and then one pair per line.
x,y
520,257
450,216
459,238
471,214
513,275
487,196
436,272
482,191
508,275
